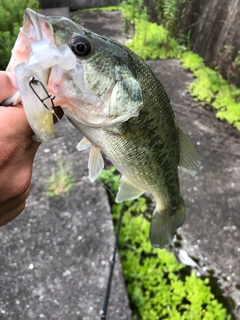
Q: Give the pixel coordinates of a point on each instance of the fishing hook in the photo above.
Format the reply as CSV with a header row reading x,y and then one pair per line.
x,y
35,81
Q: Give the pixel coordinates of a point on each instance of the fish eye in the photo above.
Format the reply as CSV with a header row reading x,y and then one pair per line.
x,y
81,47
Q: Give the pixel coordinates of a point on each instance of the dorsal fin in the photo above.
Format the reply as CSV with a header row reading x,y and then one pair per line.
x,y
188,154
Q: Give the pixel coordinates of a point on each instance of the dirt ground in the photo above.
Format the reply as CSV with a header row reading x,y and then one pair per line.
x,y
45,249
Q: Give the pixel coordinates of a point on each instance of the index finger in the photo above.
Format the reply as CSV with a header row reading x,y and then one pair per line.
x,y
9,83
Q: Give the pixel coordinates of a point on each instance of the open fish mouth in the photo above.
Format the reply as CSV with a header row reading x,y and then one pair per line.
x,y
35,28
36,59
31,25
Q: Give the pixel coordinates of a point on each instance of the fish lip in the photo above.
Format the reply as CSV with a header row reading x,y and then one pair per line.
x,y
32,24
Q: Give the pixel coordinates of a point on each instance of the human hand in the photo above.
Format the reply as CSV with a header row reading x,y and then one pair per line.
x,y
17,151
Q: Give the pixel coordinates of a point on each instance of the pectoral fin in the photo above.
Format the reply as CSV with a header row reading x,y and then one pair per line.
x,y
95,163
126,96
83,144
128,191
189,156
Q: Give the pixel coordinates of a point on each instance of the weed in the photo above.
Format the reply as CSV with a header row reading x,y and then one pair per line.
x,y
168,15
76,19
61,181
150,41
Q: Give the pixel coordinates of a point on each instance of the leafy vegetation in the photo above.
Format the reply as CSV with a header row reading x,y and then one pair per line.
x,y
150,41
158,286
60,181
11,19
168,14
211,88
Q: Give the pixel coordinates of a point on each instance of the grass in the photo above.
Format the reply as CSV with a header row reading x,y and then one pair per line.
x,y
60,181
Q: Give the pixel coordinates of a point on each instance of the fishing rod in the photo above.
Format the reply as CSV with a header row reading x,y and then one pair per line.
x,y
112,264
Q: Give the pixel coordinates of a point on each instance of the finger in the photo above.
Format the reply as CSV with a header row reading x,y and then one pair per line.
x,y
13,207
15,128
9,83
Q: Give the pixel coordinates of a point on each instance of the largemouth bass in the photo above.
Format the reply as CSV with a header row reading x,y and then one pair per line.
x,y
111,96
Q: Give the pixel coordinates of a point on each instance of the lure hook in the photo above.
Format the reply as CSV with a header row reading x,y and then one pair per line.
x,y
35,81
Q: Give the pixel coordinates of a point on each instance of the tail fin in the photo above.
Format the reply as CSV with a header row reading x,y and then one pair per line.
x,y
164,225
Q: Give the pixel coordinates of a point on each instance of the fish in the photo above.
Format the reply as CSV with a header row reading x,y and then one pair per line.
x,y
114,99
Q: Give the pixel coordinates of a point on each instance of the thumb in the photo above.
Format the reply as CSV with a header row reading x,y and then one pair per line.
x,y
8,81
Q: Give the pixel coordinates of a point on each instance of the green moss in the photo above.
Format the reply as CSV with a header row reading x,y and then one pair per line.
x,y
109,8
157,285
211,88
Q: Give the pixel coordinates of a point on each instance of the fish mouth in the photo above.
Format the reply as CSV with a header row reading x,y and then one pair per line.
x,y
37,26
31,25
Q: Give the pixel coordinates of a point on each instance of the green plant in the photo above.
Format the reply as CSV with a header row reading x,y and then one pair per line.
x,y
60,181
150,40
158,286
132,11
237,59
76,19
210,87
168,14
11,19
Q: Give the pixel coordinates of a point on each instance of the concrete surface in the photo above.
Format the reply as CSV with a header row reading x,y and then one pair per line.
x,y
62,12
80,4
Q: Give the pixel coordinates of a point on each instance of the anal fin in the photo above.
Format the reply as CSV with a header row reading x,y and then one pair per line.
x,y
128,190
83,144
95,163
